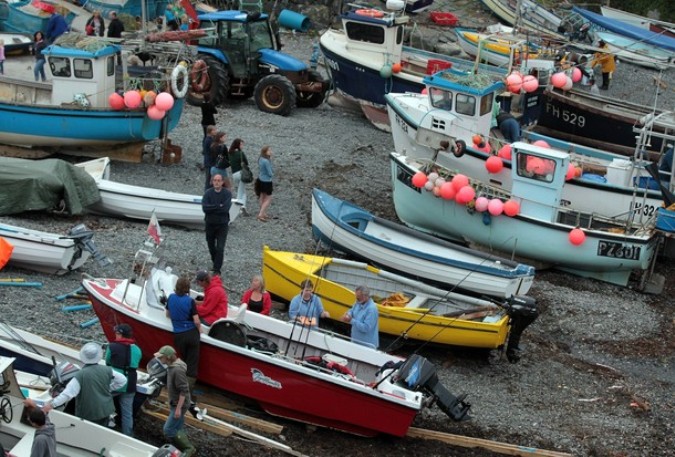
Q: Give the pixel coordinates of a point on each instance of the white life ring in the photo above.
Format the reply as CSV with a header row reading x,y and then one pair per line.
x,y
179,72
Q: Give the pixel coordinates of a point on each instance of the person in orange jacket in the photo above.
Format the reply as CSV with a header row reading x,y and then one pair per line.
x,y
606,62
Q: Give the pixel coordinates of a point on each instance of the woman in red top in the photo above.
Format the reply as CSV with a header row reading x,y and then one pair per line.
x,y
257,298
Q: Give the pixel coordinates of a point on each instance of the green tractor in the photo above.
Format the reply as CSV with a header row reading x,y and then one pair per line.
x,y
239,57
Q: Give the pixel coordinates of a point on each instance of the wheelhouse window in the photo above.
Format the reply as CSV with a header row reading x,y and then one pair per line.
x,y
110,66
365,32
60,66
534,167
399,34
84,68
441,98
486,104
465,104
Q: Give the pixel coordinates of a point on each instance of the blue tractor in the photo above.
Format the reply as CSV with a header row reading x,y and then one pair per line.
x,y
239,57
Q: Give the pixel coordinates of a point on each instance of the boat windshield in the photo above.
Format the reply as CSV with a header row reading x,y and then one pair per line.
x,y
535,167
441,98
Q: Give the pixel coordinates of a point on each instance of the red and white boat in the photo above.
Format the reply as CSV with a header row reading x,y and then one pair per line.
x,y
309,376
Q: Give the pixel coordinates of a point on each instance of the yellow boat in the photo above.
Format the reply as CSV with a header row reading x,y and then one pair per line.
x,y
407,307
496,50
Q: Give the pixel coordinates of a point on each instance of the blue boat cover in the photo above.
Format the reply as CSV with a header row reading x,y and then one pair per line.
x,y
625,29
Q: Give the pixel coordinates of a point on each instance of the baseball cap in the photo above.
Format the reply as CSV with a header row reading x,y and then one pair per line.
x,y
91,353
124,330
201,275
166,351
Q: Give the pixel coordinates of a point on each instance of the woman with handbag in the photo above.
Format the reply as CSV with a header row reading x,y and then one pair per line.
x,y
95,25
221,160
241,173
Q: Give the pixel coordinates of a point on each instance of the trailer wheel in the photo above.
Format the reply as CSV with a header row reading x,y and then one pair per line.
x,y
312,99
275,94
217,83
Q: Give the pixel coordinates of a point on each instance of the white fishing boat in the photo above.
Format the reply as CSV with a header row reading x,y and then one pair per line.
x,y
635,51
529,221
351,229
654,25
137,202
74,437
527,14
607,184
52,253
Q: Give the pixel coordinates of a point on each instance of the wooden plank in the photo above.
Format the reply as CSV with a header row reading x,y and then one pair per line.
x,y
494,446
161,414
226,414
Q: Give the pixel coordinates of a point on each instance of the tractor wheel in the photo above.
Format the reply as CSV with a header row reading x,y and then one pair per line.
x,y
275,94
217,84
312,99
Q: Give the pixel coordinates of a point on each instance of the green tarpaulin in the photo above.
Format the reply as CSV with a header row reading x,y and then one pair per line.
x,y
32,185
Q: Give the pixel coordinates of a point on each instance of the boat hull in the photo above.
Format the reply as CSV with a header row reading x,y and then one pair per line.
x,y
154,8
617,195
533,16
58,127
604,256
42,251
284,271
593,120
415,254
279,386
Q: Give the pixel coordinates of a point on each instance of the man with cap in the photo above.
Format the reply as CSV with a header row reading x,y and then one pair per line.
x,y
124,356
179,399
605,59
214,304
91,387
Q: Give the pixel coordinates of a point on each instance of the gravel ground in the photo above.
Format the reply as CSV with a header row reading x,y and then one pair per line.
x,y
597,375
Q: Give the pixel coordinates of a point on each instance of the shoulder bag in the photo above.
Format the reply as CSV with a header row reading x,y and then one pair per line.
x,y
246,175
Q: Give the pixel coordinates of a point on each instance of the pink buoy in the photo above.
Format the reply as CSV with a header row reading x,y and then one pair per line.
x,y
460,181
433,176
132,99
465,195
542,144
494,164
505,152
511,208
429,186
436,191
530,83
558,80
577,236
447,191
164,101
425,91
419,179
495,207
482,204
571,171
514,82
568,84
116,101
155,113
576,75
439,182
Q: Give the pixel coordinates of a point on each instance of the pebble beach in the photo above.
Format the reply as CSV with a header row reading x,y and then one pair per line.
x,y
594,348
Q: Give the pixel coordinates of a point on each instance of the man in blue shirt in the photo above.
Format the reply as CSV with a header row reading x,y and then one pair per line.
x,y
364,319
306,307
56,27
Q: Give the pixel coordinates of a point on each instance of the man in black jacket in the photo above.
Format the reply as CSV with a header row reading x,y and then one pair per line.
x,y
216,204
115,27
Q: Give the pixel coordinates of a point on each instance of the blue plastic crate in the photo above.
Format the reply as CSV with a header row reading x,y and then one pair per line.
x,y
665,220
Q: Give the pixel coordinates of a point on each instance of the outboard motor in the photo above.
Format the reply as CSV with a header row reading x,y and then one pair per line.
x,y
61,374
167,450
418,374
523,311
83,237
150,386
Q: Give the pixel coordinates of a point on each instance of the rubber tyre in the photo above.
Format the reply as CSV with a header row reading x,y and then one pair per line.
x,y
275,94
459,149
312,99
217,85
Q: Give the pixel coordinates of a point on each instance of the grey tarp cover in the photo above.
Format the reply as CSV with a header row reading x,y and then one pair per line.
x,y
28,185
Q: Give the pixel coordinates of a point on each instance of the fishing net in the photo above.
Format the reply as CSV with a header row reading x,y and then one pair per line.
x,y
475,81
79,41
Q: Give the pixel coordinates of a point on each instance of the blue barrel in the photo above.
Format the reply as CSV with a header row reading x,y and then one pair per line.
x,y
292,20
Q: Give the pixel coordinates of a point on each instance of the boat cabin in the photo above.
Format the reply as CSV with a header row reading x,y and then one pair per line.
x,y
538,177
363,27
81,76
462,104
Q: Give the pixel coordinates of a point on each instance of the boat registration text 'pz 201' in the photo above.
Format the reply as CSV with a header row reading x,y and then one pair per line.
x,y
618,250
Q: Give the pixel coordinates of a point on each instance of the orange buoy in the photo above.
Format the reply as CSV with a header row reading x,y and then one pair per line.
x,y
370,13
6,249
